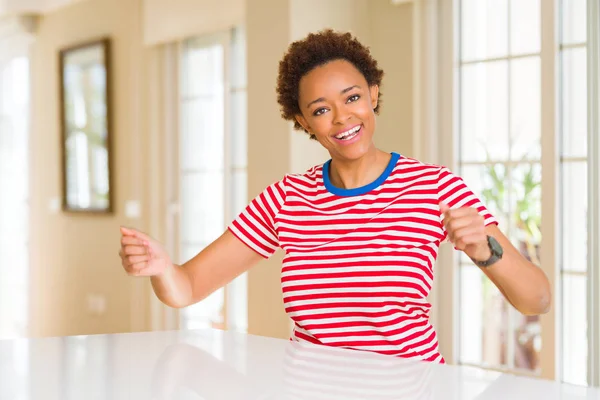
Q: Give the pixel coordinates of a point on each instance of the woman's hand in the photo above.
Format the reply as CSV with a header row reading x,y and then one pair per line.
x,y
522,283
466,230
141,255
182,285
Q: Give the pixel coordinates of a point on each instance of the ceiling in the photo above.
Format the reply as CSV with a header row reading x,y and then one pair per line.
x,y
17,7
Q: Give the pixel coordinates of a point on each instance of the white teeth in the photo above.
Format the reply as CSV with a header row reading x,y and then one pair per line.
x,y
345,135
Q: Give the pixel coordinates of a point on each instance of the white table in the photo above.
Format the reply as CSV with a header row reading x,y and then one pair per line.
x,y
212,364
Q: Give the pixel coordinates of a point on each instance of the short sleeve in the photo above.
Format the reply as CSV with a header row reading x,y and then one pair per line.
x,y
255,225
453,191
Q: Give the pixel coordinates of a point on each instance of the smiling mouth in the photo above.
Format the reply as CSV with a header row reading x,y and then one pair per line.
x,y
349,134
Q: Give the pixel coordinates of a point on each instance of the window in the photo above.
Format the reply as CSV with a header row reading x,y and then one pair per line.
x,y
512,58
573,189
500,159
14,201
212,160
15,106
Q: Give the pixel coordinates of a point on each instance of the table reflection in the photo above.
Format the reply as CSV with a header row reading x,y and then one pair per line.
x,y
211,364
302,371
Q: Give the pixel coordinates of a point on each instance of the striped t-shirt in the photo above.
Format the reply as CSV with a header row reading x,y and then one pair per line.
x,y
358,263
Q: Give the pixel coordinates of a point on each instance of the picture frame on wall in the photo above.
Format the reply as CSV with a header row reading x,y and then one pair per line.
x,y
86,125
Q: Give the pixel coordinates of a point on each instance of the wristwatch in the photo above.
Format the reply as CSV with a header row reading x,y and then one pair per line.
x,y
496,250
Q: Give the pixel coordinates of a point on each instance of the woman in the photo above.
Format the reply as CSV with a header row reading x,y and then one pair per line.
x,y
360,232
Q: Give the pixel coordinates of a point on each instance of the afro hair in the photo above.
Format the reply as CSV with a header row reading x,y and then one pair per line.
x,y
315,50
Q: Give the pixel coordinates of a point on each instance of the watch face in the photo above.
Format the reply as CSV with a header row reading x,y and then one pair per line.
x,y
495,246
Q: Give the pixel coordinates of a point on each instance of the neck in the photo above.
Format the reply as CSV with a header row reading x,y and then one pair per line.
x,y
351,174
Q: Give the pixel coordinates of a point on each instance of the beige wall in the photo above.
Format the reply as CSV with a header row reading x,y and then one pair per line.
x,y
76,255
391,44
168,20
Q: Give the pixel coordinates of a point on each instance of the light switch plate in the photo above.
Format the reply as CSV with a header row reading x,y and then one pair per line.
x,y
54,205
133,209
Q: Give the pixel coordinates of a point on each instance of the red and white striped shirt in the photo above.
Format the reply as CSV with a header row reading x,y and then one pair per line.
x,y
358,263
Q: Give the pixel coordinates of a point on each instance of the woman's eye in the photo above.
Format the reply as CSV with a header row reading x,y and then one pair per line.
x,y
319,111
353,98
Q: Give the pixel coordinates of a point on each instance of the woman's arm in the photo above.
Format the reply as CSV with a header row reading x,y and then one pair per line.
x,y
183,285
521,282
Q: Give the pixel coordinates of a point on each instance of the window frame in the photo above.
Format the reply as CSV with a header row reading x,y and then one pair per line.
x,y
223,40
437,106
593,277
166,75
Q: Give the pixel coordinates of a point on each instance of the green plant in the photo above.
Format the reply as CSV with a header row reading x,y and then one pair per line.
x,y
524,187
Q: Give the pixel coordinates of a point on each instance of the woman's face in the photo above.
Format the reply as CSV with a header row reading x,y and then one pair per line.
x,y
337,105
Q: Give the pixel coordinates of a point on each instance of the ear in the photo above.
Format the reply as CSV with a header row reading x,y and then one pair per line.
x,y
302,121
374,89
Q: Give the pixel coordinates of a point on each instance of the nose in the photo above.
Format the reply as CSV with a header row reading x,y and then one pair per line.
x,y
341,114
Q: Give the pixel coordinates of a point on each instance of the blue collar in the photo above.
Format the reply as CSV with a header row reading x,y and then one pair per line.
x,y
363,189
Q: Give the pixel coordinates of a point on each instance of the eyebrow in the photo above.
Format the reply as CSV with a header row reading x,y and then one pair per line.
x,y
323,98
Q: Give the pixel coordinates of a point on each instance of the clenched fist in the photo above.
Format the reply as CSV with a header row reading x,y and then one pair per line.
x,y
466,230
141,255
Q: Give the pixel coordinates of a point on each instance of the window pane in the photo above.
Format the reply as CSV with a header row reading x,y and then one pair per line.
x,y
483,319
202,206
574,329
237,304
239,192
574,209
189,250
202,163
526,210
489,183
17,380
238,58
528,341
525,109
484,29
525,233
239,156
574,102
574,21
525,16
208,313
202,70
14,190
483,311
202,135
13,310
20,83
484,112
